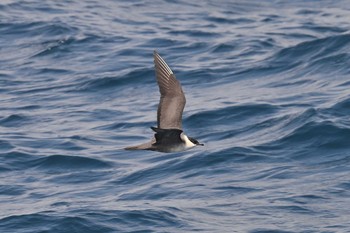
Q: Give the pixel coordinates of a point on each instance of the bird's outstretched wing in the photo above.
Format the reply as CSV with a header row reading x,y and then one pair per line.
x,y
172,99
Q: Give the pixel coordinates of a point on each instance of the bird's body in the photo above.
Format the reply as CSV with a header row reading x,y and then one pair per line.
x,y
169,136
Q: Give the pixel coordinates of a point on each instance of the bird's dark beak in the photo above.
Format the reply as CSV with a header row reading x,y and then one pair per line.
x,y
200,144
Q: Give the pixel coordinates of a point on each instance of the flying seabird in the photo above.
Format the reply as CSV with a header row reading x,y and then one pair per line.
x,y
169,136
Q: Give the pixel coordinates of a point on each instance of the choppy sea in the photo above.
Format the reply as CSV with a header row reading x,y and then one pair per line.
x,y
268,92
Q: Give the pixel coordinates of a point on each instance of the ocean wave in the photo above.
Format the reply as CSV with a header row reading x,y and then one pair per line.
x,y
189,166
133,220
12,190
315,52
341,108
310,130
117,82
238,20
233,114
312,57
38,223
15,160
15,120
35,29
5,145
65,162
321,135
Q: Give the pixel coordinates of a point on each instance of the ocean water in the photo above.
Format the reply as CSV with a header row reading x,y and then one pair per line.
x,y
268,92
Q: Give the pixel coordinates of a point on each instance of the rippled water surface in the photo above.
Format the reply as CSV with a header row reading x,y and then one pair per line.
x,y
267,86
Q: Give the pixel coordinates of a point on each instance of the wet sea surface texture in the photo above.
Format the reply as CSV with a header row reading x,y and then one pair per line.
x,y
267,86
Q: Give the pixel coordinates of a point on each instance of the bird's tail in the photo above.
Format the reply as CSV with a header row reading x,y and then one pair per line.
x,y
144,146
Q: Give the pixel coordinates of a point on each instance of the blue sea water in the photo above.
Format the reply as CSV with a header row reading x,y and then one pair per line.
x,y
268,92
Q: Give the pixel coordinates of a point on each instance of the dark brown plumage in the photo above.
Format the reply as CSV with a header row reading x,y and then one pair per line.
x,y
172,99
